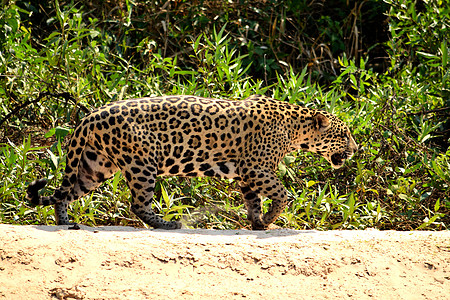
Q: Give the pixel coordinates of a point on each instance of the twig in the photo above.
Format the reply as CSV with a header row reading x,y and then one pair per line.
x,y
65,95
429,111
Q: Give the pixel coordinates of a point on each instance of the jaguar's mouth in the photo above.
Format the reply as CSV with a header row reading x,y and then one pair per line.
x,y
338,159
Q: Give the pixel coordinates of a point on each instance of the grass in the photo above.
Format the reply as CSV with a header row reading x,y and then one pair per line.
x,y
400,179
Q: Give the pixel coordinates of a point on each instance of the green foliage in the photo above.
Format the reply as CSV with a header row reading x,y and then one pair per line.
x,y
293,51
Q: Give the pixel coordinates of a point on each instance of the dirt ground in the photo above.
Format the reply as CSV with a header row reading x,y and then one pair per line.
x,y
45,262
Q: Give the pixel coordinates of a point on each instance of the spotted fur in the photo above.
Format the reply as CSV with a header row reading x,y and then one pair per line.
x,y
193,136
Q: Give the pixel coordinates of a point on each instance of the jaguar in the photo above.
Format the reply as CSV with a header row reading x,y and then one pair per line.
x,y
193,136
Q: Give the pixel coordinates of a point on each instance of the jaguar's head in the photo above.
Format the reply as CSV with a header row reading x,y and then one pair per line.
x,y
331,138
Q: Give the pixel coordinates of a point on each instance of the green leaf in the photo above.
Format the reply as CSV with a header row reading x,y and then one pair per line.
x,y
61,132
321,196
310,183
165,196
289,159
427,222
413,168
282,169
444,51
438,170
50,133
115,182
403,196
437,205
429,55
53,159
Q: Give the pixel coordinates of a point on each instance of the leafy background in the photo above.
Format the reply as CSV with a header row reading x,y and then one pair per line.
x,y
381,66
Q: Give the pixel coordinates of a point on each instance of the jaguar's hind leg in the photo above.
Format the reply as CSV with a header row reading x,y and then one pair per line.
x,y
141,179
254,207
62,218
94,168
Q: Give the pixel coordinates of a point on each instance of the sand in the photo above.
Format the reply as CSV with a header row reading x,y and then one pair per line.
x,y
52,262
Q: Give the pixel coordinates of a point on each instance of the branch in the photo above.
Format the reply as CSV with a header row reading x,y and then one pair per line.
x,y
66,95
429,111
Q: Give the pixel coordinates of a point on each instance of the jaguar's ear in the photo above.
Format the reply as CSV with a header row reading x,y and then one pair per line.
x,y
322,122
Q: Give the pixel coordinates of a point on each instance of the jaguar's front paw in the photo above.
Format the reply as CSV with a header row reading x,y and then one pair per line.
x,y
172,225
258,225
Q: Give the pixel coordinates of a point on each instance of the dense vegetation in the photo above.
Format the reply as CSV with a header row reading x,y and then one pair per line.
x,y
381,66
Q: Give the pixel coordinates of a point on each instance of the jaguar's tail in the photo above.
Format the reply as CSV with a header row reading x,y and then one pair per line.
x,y
77,144
33,193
